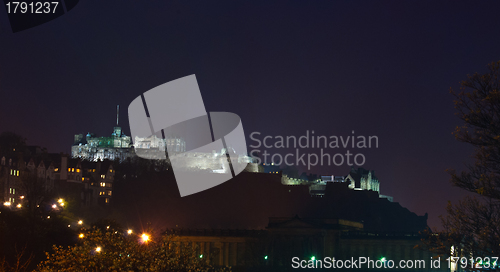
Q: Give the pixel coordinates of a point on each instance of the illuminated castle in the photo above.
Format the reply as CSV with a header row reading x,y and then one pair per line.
x,y
92,148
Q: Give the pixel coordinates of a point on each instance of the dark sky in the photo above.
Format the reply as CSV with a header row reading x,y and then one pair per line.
x,y
379,68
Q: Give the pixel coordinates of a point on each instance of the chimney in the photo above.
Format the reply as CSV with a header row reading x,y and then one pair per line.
x,y
64,167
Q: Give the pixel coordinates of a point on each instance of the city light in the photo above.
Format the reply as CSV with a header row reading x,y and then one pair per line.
x,y
107,227
69,226
21,197
6,203
80,222
129,231
265,257
201,256
19,205
383,259
313,258
81,235
60,200
98,249
62,204
54,206
145,237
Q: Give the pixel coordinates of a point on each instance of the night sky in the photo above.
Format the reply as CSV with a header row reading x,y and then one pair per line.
x,y
379,68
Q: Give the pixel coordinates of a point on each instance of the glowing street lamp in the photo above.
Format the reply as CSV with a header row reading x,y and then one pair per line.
x,y
6,203
129,231
80,222
54,206
145,237
19,205
81,235
98,249
60,200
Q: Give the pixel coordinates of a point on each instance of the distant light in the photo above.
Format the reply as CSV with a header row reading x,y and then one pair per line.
x,y
145,237
48,217
201,256
265,257
19,205
60,200
107,227
81,235
21,197
54,206
313,258
129,231
6,203
383,259
62,204
69,226
80,222
98,249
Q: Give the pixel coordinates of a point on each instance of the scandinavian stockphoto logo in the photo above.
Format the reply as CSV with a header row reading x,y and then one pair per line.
x,y
204,149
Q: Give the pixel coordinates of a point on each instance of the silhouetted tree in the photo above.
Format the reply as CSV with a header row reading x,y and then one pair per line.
x,y
474,223
10,143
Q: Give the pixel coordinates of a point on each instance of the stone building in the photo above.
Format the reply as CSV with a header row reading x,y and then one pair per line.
x,y
289,240
16,176
56,175
363,179
92,148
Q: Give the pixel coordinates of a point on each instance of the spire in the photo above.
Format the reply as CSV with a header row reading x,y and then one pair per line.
x,y
117,113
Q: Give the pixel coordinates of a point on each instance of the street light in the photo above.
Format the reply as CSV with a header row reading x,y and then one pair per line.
x,y
81,235
80,222
98,249
129,231
145,237
54,206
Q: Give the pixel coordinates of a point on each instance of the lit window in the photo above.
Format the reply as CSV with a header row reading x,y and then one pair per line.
x,y
83,179
107,200
78,170
10,191
57,169
72,169
103,176
93,170
69,169
17,173
103,184
13,191
109,193
11,172
101,193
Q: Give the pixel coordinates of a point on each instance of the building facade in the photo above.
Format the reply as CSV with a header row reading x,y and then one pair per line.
x,y
91,148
